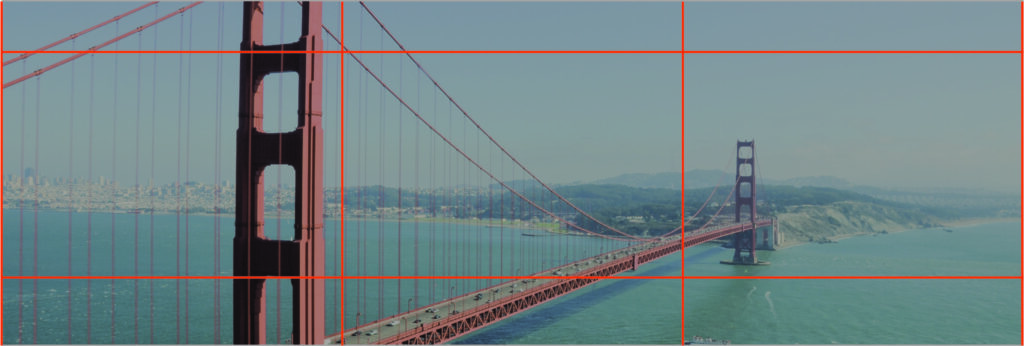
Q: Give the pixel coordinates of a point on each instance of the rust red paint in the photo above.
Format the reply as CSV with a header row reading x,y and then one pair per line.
x,y
696,239
745,164
503,308
254,254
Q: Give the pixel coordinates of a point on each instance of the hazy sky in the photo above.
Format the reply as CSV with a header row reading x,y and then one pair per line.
x,y
567,117
175,108
888,120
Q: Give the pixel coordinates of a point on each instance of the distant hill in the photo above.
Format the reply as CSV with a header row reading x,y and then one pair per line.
x,y
666,180
819,181
701,178
822,214
948,202
633,210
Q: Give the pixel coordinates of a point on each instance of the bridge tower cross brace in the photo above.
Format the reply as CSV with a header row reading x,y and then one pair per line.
x,y
302,149
746,197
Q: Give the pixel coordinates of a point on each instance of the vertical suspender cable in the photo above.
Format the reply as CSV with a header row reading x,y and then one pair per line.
x,y
360,186
341,172
113,196
177,190
35,226
380,227
532,251
512,210
363,192
138,121
501,225
490,221
400,135
152,189
21,210
477,214
71,173
449,197
89,206
434,208
188,151
365,195
416,209
465,244
216,180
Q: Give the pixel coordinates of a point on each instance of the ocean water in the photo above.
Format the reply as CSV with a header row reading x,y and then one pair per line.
x,y
865,311
621,311
188,311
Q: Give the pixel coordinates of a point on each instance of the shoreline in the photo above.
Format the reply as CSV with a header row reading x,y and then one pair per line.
x,y
945,224
541,226
979,221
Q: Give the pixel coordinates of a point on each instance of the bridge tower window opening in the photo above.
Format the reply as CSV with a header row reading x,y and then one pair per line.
x,y
280,102
279,202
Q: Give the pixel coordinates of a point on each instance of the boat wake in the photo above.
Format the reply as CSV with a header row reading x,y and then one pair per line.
x,y
767,296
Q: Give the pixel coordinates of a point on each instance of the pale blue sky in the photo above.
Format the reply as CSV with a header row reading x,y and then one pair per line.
x,y
31,25
568,117
888,120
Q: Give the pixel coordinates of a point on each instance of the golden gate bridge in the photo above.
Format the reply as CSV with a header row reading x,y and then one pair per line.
x,y
402,123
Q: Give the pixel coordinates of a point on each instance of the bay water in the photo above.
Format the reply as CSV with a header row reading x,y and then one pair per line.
x,y
619,311
865,311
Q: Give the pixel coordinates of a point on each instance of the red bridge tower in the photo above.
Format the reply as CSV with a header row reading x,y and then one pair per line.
x,y
302,149
746,193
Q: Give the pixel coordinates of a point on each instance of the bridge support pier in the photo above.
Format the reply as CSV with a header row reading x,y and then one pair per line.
x,y
745,242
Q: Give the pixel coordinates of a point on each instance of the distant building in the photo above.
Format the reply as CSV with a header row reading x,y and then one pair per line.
x,y
630,219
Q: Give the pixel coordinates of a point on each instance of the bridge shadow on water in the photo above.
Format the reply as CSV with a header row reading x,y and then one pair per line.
x,y
548,313
705,253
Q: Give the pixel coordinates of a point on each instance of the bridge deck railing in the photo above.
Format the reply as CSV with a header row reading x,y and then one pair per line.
x,y
554,281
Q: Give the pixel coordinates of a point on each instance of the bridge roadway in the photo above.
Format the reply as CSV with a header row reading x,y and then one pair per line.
x,y
466,313
711,233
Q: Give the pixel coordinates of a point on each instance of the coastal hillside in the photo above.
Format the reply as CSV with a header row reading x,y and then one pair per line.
x,y
826,223
665,180
820,214
632,210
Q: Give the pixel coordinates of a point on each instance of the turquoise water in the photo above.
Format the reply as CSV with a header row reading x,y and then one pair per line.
x,y
642,311
638,311
865,311
184,311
